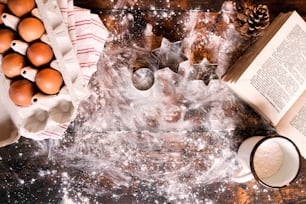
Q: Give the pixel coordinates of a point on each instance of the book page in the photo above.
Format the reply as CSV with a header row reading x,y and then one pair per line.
x,y
277,76
293,124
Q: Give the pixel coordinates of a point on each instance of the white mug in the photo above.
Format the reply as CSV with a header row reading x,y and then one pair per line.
x,y
274,161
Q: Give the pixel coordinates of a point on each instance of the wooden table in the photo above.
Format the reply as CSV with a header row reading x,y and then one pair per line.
x,y
275,6
234,193
29,176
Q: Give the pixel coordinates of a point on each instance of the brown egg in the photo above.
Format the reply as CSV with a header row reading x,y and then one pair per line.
x,y
12,64
6,37
49,80
21,92
39,54
2,10
20,7
31,29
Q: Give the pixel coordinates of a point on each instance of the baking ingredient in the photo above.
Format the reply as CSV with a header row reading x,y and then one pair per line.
x,y
20,7
12,64
49,80
39,54
21,92
2,9
188,161
31,29
268,159
6,37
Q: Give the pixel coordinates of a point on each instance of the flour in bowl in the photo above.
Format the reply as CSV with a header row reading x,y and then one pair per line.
x,y
268,159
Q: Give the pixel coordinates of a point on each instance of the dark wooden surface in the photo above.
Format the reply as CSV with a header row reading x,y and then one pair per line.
x,y
275,6
234,193
28,176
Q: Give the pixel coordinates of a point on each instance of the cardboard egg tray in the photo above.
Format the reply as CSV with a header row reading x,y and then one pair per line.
x,y
48,115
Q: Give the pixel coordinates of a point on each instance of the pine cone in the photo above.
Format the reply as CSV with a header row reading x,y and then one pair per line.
x,y
251,19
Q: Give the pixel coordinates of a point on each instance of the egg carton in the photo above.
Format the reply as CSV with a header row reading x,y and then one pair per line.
x,y
49,115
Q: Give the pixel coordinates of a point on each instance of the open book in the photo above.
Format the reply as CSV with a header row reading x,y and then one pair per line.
x,y
271,77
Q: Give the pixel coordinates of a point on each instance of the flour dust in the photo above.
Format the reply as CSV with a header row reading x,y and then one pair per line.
x,y
165,142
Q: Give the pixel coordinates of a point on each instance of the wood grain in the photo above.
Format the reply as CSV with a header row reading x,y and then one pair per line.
x,y
275,6
19,162
247,193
